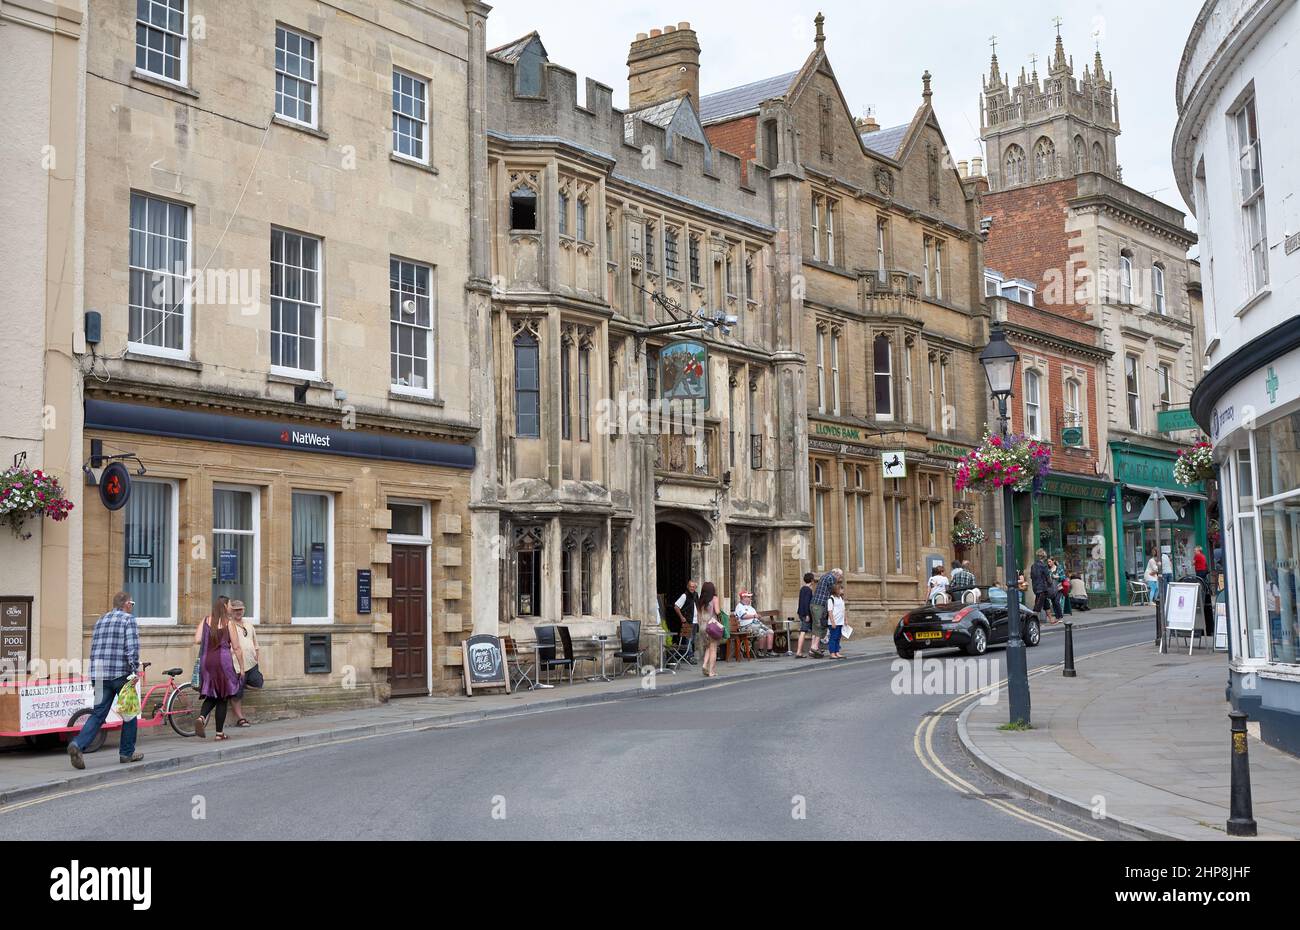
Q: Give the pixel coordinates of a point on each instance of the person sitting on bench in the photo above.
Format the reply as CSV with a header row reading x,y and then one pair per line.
x,y
748,624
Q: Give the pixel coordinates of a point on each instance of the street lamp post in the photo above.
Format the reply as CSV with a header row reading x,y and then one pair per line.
x,y
999,360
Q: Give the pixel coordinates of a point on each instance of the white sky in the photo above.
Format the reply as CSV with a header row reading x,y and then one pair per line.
x,y
879,51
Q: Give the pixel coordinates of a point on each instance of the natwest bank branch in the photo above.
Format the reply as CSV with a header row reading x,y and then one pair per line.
x,y
345,545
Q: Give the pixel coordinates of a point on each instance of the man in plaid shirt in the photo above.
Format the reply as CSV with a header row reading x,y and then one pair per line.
x,y
821,594
114,657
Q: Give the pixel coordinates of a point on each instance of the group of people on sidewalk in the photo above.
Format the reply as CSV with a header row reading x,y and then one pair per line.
x,y
698,615
226,667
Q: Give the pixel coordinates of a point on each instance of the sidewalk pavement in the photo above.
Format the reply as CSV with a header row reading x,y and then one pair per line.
x,y
26,774
1146,733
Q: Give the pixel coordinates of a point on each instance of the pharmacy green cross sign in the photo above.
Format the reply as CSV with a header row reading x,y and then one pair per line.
x,y
1271,384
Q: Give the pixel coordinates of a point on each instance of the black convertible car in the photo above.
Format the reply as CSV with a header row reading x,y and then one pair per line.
x,y
972,627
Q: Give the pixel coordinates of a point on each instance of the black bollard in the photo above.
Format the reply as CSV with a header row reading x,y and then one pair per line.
x,y
1069,652
1242,822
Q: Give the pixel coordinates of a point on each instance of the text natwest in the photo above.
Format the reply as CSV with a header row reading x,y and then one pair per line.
x,y
306,439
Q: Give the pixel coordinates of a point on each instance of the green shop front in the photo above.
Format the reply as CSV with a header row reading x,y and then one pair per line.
x,y
1138,473
1071,520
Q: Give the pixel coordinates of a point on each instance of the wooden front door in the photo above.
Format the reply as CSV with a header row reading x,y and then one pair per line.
x,y
410,606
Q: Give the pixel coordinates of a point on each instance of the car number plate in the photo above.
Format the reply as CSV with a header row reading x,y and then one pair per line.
x,y
928,636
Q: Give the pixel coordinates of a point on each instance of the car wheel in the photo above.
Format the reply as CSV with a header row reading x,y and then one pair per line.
x,y
1033,633
979,642
905,653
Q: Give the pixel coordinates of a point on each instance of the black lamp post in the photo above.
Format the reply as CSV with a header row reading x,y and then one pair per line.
x,y
1000,361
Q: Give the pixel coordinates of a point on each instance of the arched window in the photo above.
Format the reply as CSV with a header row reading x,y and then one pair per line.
x,y
1126,277
528,396
1080,155
1098,158
1044,159
884,368
1013,166
1033,405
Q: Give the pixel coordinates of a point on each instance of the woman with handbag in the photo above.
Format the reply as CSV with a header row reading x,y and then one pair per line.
x,y
220,671
245,636
711,626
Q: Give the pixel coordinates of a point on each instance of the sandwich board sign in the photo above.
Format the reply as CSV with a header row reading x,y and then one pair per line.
x,y
1180,616
484,664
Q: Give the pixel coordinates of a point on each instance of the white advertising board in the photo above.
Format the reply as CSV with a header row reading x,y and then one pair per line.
x,y
50,705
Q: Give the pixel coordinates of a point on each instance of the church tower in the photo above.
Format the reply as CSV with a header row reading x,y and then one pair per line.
x,y
1041,130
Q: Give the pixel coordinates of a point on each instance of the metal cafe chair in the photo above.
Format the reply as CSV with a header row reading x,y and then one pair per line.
x,y
546,657
520,670
629,645
566,641
1139,592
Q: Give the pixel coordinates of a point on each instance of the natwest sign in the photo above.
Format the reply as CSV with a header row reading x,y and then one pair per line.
x,y
297,438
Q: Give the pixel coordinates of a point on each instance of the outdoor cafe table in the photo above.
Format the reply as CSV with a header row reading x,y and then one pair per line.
x,y
603,642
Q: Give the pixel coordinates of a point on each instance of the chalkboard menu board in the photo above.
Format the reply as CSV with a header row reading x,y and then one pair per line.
x,y
363,590
485,664
15,637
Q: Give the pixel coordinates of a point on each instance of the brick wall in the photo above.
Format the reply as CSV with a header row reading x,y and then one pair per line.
x,y
737,137
1081,461
1028,240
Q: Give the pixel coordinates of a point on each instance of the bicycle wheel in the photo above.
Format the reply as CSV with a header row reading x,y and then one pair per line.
x,y
182,708
78,719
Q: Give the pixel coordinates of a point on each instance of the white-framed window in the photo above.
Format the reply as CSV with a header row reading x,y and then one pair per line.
x,y
410,117
1158,287
907,383
1033,404
411,524
295,303
943,398
927,247
158,320
1125,278
295,77
830,232
1073,404
882,241
1165,378
817,228
162,39
1254,222
883,357
411,335
149,549
992,285
236,545
311,558
821,371
1132,388
835,372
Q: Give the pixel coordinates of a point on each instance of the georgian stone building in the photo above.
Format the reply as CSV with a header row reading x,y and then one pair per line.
x,y
610,232
881,249
1103,317
277,210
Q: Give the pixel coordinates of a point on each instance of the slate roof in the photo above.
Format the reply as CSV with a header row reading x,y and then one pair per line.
x,y
886,141
511,51
660,114
739,101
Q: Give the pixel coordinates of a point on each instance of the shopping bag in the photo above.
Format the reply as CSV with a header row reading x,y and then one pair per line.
x,y
128,700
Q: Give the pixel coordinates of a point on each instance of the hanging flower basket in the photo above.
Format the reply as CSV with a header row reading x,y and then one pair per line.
x,y
1016,462
967,534
25,494
1195,465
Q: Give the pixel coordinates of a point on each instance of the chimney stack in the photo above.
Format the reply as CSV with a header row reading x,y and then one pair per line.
x,y
663,65
977,167
867,122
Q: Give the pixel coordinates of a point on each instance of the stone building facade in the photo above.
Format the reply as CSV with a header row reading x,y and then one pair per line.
x,y
880,245
1105,268
277,211
40,333
613,234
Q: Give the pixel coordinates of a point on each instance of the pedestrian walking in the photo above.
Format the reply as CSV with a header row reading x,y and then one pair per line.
x,y
805,615
685,607
817,607
220,666
1040,578
711,627
835,617
246,644
1153,576
114,658
1061,589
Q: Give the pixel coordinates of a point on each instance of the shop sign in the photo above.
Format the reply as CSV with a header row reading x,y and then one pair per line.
x,y
1144,469
115,486
1072,437
1271,385
1063,487
894,464
484,664
49,705
1293,243
946,450
1175,421
15,635
838,432
684,372
363,590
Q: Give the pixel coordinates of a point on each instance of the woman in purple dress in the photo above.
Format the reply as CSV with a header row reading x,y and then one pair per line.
x,y
219,673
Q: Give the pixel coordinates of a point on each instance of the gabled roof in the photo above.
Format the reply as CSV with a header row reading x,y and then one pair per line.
x,y
658,114
510,52
741,101
886,141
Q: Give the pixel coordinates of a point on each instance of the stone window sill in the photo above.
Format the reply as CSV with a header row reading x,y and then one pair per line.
x,y
300,127
185,363
149,78
412,163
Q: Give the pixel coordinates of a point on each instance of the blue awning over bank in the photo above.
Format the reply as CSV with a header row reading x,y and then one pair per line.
x,y
274,433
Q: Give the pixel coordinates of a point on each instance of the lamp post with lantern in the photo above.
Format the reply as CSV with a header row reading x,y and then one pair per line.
x,y
1000,360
